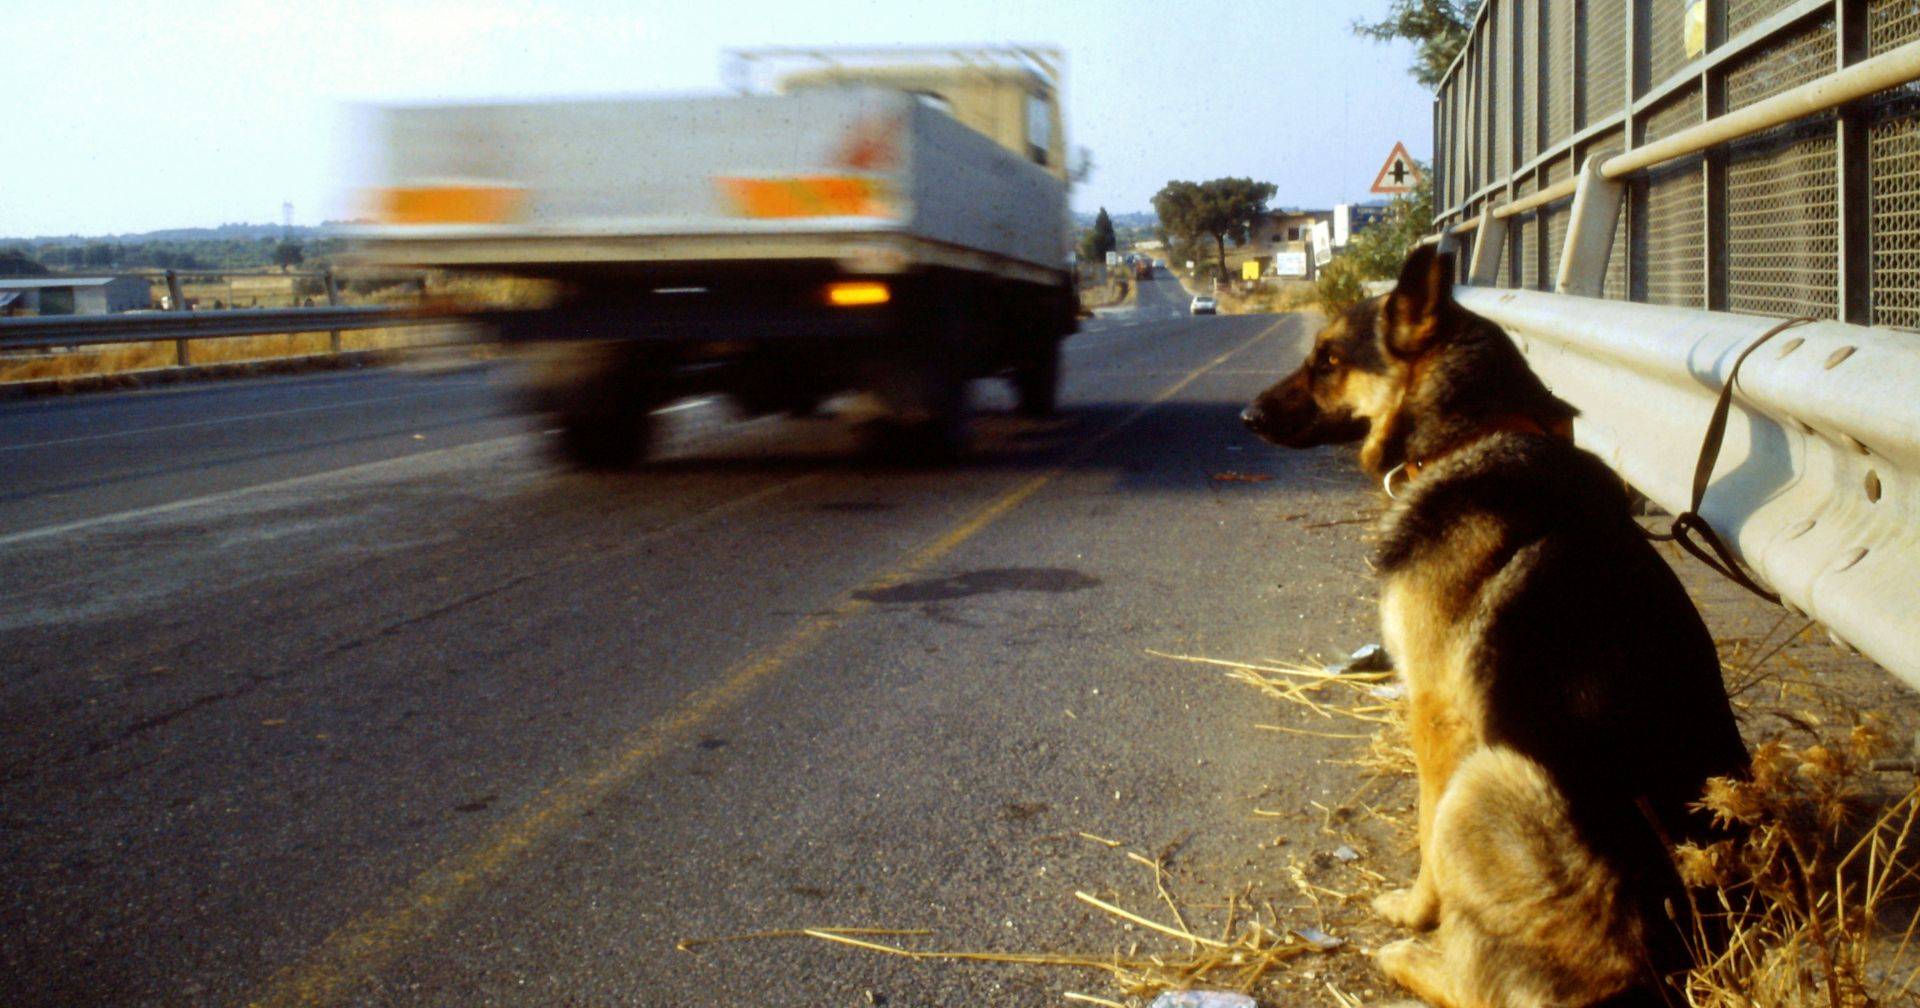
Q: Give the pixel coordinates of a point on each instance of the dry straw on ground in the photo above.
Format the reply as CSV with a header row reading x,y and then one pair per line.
x,y
1237,957
1818,899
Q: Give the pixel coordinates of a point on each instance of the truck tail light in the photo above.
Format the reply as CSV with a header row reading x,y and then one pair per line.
x,y
857,293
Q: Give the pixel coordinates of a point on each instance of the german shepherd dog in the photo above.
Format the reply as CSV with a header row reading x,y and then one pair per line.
x,y
1565,700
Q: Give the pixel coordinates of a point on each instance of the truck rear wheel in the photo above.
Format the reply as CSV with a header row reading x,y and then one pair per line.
x,y
929,418
1036,382
605,440
924,387
602,398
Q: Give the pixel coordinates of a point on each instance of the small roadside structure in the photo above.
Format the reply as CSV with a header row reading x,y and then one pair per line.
x,y
1283,230
73,295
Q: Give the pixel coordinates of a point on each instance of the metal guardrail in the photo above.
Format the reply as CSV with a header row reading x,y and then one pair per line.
x,y
66,331
1818,482
1721,161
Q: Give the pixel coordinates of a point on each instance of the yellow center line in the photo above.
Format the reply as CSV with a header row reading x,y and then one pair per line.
x,y
357,949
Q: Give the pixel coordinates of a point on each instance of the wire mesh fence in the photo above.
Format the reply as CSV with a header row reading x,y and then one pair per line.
x,y
1672,246
1815,216
1783,228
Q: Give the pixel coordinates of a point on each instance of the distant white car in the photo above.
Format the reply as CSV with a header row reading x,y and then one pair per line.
x,y
1204,305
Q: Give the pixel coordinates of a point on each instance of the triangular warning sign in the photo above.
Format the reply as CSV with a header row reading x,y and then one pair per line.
x,y
1399,174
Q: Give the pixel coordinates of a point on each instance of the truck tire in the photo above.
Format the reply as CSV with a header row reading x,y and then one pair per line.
x,y
605,440
604,407
924,387
929,420
1036,382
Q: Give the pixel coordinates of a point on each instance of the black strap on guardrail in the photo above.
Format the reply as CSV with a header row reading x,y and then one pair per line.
x,y
1688,524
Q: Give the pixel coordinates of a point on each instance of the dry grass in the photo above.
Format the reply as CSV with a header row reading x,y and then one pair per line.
x,y
126,358
1268,297
1250,944
1818,896
1112,294
453,291
1818,899
1817,902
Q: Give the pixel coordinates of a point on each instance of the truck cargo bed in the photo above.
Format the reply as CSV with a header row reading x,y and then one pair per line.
x,y
850,173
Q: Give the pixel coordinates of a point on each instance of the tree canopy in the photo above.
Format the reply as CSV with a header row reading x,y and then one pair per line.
x,y
16,262
1103,236
1437,28
1219,208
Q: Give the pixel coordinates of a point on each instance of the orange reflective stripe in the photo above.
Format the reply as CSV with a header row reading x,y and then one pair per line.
x,y
806,196
449,204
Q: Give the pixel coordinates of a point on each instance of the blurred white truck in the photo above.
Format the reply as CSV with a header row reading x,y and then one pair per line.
x,y
891,222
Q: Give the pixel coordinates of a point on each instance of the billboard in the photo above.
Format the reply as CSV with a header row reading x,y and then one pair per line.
x,y
1293,264
1322,243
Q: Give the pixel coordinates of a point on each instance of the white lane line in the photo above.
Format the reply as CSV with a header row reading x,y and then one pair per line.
x,y
47,531
216,421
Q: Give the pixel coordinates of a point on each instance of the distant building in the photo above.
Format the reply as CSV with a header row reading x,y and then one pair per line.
x,y
71,295
1280,240
1283,239
1350,219
1283,230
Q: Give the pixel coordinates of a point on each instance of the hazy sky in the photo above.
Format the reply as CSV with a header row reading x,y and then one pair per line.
x,y
131,116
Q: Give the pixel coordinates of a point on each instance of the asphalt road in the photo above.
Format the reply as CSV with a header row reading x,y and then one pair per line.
x,y
333,690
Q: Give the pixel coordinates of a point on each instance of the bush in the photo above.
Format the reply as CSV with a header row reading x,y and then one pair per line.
x,y
1339,285
1377,252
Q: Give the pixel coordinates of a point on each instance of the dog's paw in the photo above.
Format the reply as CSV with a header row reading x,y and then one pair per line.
x,y
1398,954
1412,963
1412,907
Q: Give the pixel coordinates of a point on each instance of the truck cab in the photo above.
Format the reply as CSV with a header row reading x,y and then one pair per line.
x,y
1016,106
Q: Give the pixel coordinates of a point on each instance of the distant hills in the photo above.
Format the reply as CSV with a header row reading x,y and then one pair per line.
x,y
1120,220
225,232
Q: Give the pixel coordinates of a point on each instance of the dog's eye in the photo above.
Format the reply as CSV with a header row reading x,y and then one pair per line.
x,y
1332,359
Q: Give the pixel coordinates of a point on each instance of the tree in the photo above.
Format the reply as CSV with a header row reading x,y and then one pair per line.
x,y
16,262
1089,246
1221,208
287,254
1104,238
1438,28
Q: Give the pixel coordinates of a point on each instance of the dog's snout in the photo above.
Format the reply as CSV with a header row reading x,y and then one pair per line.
x,y
1252,417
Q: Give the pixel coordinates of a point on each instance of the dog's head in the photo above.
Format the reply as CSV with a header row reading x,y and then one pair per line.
x,y
1355,379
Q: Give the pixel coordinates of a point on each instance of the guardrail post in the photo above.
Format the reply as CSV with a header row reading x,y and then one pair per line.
x,y
177,302
1489,241
1854,299
1590,226
333,298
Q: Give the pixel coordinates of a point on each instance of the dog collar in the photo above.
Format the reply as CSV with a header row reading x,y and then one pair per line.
x,y
1514,423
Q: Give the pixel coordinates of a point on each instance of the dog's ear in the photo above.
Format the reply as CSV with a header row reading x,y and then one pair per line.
x,y
1411,315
